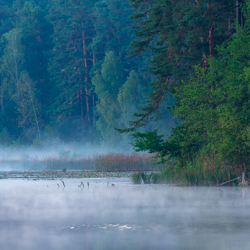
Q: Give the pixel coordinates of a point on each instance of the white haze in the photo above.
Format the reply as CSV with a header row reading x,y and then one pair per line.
x,y
39,215
57,151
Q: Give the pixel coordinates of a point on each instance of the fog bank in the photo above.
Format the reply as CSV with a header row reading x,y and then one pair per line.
x,y
41,215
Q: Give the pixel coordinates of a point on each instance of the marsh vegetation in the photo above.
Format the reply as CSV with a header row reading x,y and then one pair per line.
x,y
98,162
202,171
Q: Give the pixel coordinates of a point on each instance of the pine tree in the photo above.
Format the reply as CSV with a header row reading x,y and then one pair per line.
x,y
113,26
71,61
180,35
36,32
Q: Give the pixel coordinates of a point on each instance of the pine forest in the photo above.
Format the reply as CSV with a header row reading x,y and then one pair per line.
x,y
170,77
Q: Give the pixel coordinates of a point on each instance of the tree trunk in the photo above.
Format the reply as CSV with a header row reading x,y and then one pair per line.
x,y
239,15
93,102
34,110
87,102
211,40
93,95
81,104
86,73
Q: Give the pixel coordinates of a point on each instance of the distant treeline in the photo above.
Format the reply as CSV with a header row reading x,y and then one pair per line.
x,y
73,70
66,72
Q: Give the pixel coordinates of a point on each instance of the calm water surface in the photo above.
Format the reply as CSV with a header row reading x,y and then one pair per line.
x,y
39,215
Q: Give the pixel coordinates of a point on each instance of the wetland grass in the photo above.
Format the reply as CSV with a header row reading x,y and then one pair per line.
x,y
100,163
125,162
203,171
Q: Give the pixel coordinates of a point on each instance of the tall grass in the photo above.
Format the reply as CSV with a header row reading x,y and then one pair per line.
x,y
204,170
125,162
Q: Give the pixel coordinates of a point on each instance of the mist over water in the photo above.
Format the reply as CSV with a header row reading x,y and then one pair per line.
x,y
58,151
28,158
39,215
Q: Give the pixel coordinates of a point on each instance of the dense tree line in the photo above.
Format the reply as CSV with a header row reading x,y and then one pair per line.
x,y
66,72
201,56
77,69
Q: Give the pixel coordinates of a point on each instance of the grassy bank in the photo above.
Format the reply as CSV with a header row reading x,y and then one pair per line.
x,y
203,171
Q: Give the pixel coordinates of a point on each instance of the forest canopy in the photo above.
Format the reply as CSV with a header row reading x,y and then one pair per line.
x,y
174,74
67,74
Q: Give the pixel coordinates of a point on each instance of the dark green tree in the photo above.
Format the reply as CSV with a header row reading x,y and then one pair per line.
x,y
36,32
70,62
213,108
179,35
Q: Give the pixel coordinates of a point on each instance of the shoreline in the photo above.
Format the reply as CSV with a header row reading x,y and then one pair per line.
x,y
57,174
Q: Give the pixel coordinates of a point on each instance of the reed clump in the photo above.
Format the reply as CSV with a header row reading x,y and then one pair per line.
x,y
125,162
202,171
141,177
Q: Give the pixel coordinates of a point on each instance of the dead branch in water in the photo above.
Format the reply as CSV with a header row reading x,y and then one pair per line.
x,y
227,182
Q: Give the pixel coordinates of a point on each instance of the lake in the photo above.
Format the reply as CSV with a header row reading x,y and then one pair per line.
x,y
43,215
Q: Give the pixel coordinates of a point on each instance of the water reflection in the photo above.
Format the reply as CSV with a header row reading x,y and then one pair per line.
x,y
39,215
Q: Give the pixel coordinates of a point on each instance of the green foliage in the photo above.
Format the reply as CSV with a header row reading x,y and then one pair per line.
x,y
131,97
20,88
66,72
107,84
203,170
212,105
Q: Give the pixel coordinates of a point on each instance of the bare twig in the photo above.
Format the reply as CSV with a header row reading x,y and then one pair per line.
x,y
225,44
63,182
209,7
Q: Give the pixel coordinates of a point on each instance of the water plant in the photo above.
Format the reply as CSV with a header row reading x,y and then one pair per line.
x,y
136,177
144,177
